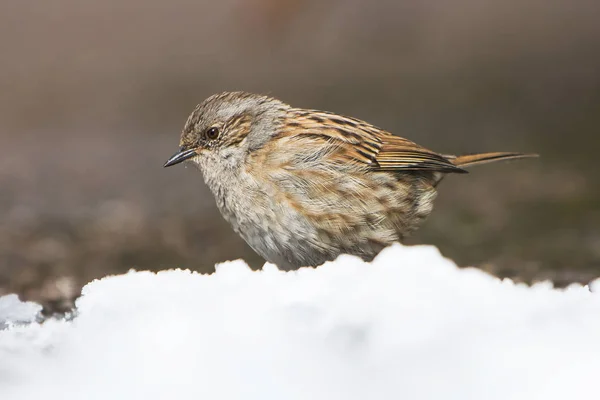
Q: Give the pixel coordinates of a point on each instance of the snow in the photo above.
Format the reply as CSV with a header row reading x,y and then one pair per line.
x,y
409,325
14,311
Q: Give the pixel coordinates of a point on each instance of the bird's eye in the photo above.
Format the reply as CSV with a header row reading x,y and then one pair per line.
x,y
212,133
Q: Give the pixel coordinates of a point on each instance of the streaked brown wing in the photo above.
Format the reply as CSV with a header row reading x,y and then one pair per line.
x,y
396,154
369,145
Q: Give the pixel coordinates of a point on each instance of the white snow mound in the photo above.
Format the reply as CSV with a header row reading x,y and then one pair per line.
x,y
409,325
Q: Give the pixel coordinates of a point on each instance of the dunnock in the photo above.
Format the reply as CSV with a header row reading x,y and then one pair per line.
x,y
303,186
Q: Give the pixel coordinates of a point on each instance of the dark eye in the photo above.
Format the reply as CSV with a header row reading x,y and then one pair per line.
x,y
212,133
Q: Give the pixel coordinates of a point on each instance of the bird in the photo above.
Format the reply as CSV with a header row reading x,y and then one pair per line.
x,y
303,186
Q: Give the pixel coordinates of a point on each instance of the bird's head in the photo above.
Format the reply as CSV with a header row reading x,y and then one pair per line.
x,y
225,127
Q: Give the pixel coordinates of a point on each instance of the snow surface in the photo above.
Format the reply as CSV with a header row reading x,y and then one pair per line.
x,y
410,325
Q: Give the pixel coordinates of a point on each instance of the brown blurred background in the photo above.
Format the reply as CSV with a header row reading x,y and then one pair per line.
x,y
93,95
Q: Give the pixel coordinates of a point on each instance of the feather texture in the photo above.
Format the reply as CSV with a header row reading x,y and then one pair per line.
x,y
484,158
371,146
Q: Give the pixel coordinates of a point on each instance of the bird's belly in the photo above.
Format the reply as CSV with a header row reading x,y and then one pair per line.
x,y
286,241
294,229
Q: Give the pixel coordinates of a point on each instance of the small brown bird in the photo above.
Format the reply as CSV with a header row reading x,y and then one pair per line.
x,y
304,186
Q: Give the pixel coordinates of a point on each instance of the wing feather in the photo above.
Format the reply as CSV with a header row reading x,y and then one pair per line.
x,y
369,146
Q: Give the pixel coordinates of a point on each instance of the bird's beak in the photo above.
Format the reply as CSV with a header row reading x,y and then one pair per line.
x,y
180,156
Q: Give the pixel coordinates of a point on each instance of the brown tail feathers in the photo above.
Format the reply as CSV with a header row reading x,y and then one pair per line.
x,y
484,158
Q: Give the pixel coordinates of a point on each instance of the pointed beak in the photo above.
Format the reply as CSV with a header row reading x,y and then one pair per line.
x,y
180,156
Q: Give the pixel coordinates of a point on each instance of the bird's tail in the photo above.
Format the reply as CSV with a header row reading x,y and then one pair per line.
x,y
484,158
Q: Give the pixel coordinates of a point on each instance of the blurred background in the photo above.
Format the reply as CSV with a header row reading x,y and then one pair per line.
x,y
93,95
